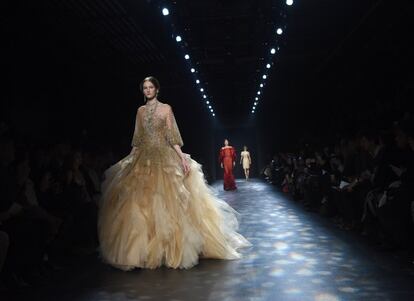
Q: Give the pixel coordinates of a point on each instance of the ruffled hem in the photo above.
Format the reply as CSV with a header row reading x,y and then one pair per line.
x,y
151,215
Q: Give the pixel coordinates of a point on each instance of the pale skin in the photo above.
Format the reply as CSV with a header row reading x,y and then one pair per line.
x,y
164,111
226,145
246,170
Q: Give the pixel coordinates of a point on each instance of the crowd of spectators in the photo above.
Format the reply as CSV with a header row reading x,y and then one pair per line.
x,y
49,195
363,181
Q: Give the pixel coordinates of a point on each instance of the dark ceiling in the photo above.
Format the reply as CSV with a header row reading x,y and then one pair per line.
x,y
228,41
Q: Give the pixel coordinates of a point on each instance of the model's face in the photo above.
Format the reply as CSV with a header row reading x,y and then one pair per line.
x,y
245,148
226,142
149,90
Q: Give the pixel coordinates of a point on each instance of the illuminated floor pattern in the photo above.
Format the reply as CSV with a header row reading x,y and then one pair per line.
x,y
296,255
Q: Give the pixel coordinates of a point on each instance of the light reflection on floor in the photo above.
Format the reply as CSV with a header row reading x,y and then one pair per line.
x,y
300,250
295,256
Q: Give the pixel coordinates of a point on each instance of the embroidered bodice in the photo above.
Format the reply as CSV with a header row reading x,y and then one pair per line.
x,y
158,129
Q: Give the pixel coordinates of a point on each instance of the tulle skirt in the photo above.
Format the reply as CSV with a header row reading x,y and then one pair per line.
x,y
152,215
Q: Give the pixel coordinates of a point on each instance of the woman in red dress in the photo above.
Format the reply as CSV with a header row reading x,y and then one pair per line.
x,y
227,161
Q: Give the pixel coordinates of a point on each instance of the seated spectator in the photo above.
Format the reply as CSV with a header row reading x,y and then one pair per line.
x,y
81,206
393,208
27,235
89,169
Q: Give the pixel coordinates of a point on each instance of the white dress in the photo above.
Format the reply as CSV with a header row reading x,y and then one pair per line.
x,y
245,159
151,214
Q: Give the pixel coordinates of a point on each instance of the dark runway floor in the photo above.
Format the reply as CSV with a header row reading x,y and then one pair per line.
x,y
296,255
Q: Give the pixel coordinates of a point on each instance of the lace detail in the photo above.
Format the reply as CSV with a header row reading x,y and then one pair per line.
x,y
139,131
149,115
173,133
158,129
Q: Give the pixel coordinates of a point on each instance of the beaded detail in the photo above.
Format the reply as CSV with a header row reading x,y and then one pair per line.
x,y
157,128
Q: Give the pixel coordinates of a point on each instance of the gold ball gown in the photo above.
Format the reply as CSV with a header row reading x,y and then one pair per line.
x,y
152,214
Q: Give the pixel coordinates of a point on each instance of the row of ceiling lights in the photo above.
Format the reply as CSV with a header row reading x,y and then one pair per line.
x,y
165,11
269,64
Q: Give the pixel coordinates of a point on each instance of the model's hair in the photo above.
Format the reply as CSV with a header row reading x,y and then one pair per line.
x,y
152,80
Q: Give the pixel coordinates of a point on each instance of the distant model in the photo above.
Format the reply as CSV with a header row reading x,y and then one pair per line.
x,y
245,161
227,162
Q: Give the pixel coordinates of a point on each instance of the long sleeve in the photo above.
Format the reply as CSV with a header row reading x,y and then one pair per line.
x,y
221,155
139,131
172,131
234,154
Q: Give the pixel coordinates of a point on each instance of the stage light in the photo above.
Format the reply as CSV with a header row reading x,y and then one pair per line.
x,y
255,103
209,107
272,51
256,98
165,11
254,108
264,76
258,92
279,31
268,66
252,111
261,85
289,2
214,114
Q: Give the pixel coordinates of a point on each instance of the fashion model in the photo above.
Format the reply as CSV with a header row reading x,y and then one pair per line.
x,y
227,162
156,208
246,161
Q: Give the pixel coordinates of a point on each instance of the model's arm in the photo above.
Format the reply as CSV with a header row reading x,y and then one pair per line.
x,y
174,138
138,132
